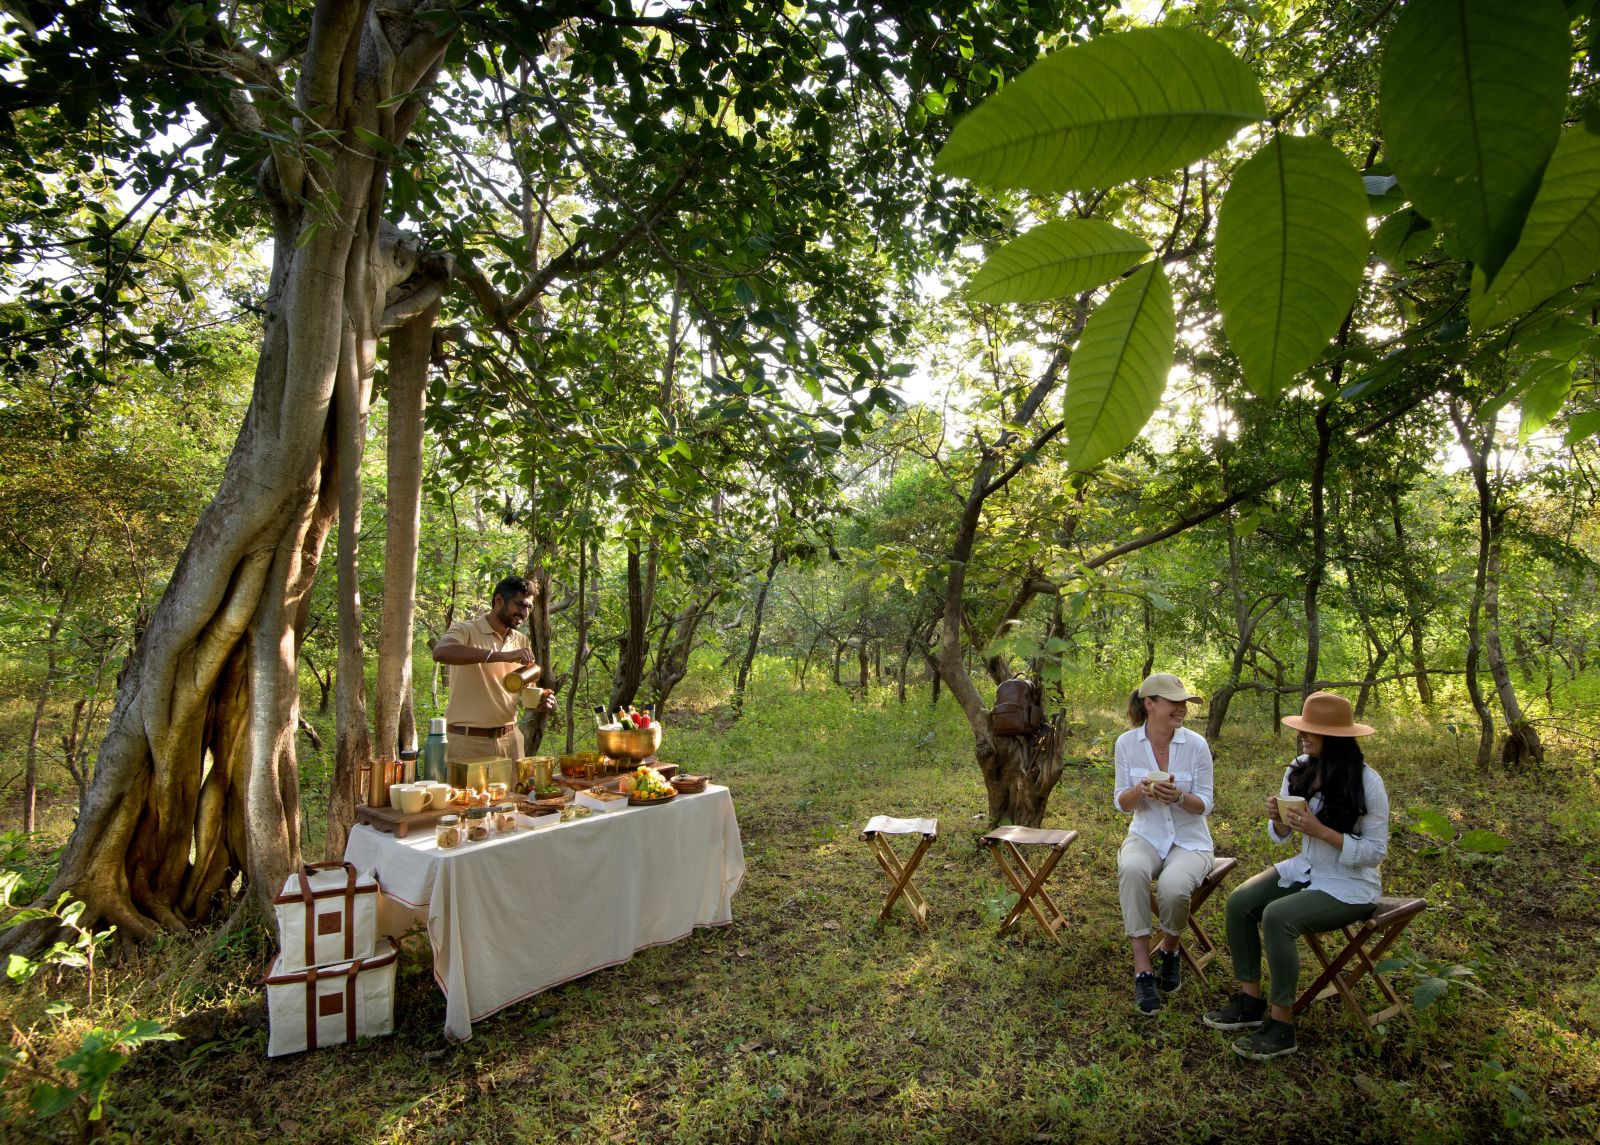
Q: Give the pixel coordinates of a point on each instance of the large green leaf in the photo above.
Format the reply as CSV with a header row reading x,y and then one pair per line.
x,y
1119,107
1291,248
1543,398
1560,242
1583,426
1472,96
1054,260
1120,367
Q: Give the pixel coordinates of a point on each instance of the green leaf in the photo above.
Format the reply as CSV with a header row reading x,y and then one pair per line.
x,y
1401,237
1471,97
1435,823
375,141
1291,249
1583,426
1120,366
1542,400
1482,842
1428,991
1054,260
1560,242
1119,107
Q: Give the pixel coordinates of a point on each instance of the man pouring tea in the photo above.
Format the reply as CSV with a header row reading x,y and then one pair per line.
x,y
481,715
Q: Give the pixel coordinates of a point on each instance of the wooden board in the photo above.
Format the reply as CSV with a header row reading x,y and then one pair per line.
x,y
398,823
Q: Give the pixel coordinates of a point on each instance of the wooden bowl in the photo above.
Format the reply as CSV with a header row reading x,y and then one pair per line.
x,y
629,743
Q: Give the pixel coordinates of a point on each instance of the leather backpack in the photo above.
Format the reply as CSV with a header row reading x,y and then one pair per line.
x,y
1017,710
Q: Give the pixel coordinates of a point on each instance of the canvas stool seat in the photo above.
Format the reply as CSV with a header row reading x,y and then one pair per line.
x,y
899,873
1203,950
1365,944
1003,843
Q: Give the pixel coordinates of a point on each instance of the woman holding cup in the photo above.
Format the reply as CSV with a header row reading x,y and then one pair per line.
x,y
1164,781
1339,808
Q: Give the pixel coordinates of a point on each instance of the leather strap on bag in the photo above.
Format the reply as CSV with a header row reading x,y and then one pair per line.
x,y
311,1007
309,899
350,1000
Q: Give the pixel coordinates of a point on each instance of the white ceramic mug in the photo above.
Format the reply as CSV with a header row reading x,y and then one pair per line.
x,y
413,798
442,792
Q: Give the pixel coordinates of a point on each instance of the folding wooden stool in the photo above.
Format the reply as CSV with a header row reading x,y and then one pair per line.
x,y
900,874
1204,949
1365,943
1027,882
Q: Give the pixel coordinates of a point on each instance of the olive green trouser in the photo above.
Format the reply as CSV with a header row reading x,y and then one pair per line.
x,y
1260,911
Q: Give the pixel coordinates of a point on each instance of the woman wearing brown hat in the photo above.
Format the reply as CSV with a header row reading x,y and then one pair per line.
x,y
1164,781
1340,809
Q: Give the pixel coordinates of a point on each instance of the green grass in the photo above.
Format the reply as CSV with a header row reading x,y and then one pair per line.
x,y
806,1021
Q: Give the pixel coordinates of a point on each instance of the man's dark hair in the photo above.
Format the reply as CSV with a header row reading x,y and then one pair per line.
x,y
512,587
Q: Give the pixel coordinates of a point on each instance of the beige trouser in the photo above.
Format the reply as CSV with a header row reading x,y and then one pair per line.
x,y
471,749
1175,879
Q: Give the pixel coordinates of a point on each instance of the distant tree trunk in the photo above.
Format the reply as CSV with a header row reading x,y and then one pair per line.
x,y
678,642
754,643
1319,549
864,661
1522,744
580,654
1477,454
1246,618
1147,615
30,785
635,641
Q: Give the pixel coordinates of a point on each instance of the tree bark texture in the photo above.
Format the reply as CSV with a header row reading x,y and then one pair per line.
x,y
197,778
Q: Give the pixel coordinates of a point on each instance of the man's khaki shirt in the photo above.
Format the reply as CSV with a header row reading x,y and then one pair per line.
x,y
477,697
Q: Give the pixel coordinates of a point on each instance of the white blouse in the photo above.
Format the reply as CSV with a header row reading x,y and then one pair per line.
x,y
1167,825
1349,872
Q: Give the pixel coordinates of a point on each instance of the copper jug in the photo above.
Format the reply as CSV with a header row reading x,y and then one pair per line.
x,y
521,678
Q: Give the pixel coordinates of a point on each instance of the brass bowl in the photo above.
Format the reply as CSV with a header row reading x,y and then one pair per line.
x,y
629,743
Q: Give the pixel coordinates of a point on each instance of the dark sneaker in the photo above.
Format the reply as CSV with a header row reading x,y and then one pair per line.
x,y
1273,1040
1241,1013
1169,971
1146,998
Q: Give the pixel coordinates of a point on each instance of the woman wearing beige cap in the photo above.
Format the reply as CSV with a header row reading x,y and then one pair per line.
x,y
1164,781
1340,809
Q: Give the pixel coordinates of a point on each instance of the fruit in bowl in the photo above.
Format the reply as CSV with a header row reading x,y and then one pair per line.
x,y
647,783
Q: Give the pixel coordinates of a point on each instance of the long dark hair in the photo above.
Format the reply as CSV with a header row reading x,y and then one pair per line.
x,y
1337,773
1136,713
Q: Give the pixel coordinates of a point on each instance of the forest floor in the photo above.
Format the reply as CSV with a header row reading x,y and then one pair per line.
x,y
805,1020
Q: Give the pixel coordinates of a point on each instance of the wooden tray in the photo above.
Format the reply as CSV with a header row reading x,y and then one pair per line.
x,y
635,801
398,823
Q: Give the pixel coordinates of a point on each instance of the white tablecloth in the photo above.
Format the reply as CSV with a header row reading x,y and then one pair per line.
x,y
514,915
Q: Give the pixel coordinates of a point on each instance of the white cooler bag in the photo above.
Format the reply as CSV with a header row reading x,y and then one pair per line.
x,y
313,1008
327,913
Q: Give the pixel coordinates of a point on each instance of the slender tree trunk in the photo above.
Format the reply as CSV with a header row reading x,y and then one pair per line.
x,y
1147,615
754,643
631,651
1521,745
580,653
1477,455
1319,550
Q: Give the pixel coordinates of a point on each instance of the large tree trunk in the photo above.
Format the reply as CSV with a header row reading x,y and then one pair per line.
x,y
580,653
678,642
213,675
410,350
